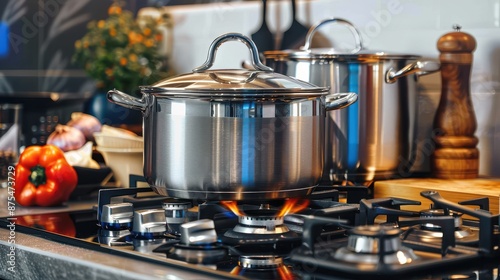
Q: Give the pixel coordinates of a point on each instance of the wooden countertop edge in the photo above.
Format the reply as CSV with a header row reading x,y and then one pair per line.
x,y
480,186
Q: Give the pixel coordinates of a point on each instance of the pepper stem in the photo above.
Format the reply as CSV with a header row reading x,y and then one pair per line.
x,y
37,176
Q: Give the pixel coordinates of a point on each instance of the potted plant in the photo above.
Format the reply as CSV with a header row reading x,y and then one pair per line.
x,y
120,52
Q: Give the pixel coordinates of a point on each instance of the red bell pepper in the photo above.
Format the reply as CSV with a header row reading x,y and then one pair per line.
x,y
44,177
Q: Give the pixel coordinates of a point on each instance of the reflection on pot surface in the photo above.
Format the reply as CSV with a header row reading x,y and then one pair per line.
x,y
374,138
233,134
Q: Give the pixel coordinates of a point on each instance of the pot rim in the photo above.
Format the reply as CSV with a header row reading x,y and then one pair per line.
x,y
234,93
234,83
332,54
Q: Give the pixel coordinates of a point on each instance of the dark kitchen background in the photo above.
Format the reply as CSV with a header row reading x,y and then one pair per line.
x,y
35,52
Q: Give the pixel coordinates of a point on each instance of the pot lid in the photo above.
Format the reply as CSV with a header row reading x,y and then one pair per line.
x,y
234,83
358,54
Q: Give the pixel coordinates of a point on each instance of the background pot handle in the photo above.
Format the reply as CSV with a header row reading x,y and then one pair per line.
x,y
352,28
127,101
418,67
336,101
212,50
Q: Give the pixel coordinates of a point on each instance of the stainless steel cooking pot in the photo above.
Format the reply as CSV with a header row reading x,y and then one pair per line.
x,y
374,138
233,134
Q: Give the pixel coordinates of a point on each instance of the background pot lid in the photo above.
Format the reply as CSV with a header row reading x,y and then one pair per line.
x,y
357,54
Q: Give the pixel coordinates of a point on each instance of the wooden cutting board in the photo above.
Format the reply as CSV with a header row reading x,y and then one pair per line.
x,y
453,190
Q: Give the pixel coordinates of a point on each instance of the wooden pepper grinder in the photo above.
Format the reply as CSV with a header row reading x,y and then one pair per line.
x,y
455,155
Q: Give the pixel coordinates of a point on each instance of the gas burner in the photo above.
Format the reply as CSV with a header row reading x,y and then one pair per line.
x,y
261,222
260,226
253,262
430,232
373,244
377,251
262,267
176,213
429,213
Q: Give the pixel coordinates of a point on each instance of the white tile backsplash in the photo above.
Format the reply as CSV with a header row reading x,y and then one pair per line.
x,y
402,26
469,14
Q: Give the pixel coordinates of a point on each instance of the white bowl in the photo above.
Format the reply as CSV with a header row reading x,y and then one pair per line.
x,y
123,162
116,141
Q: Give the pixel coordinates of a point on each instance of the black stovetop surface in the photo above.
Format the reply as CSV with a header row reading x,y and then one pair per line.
x,y
319,231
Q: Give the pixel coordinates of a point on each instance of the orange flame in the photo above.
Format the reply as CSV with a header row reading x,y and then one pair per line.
x,y
293,205
236,271
233,206
285,273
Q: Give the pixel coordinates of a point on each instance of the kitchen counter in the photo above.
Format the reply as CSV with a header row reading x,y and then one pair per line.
x,y
42,258
40,255
453,190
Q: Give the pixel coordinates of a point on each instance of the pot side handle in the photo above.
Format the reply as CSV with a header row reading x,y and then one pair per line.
x,y
335,101
127,101
418,68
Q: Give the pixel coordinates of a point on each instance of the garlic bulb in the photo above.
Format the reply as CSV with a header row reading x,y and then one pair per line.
x,y
67,138
86,123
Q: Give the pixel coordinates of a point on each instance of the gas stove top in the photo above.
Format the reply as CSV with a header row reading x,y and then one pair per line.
x,y
317,237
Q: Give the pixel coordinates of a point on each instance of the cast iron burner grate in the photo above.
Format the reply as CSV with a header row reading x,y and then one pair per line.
x,y
444,255
390,260
480,231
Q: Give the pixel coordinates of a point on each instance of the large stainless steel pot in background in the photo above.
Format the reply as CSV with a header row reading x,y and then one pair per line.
x,y
233,134
374,138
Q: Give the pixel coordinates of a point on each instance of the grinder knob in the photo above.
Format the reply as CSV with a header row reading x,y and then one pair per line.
x,y
456,155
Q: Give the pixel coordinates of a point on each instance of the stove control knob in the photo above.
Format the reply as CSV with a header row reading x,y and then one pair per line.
x,y
149,223
198,232
117,216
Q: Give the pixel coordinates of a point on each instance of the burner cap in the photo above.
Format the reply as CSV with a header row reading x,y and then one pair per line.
x,y
259,227
264,261
369,244
374,238
263,219
376,231
262,267
430,232
176,204
430,213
